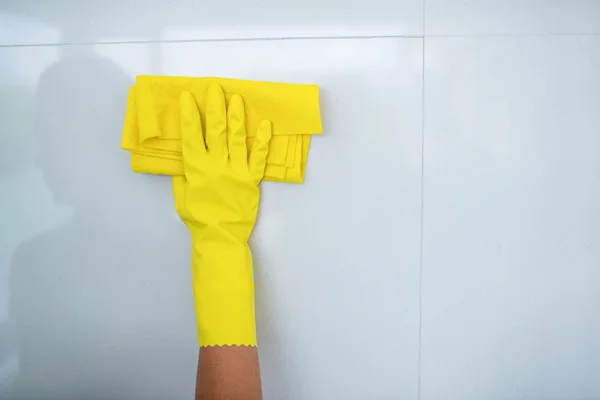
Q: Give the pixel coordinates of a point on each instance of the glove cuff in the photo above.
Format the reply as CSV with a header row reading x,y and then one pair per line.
x,y
223,283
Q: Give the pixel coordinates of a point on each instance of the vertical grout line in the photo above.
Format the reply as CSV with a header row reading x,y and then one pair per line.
x,y
422,207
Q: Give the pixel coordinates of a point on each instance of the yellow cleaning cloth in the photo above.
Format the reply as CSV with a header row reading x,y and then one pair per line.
x,y
152,131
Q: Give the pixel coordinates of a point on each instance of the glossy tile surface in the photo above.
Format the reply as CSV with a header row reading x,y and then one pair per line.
x,y
510,17
96,262
511,283
65,21
485,288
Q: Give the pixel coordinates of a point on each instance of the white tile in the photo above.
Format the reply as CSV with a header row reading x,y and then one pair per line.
x,y
459,17
93,263
99,278
32,22
511,283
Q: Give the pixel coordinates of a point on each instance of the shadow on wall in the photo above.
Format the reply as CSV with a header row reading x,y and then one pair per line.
x,y
100,302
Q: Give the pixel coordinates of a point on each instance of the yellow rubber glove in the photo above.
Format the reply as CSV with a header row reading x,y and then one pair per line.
x,y
218,201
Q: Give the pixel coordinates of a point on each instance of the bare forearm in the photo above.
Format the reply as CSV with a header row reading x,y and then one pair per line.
x,y
228,373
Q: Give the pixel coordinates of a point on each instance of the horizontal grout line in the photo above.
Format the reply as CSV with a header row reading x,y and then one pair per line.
x,y
339,37
486,35
257,39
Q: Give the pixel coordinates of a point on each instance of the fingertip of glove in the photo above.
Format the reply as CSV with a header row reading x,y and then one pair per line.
x,y
264,130
236,105
236,100
214,90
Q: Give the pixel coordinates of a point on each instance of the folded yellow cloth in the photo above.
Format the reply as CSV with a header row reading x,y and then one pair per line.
x,y
152,131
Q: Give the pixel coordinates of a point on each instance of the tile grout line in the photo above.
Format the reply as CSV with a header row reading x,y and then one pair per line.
x,y
217,40
334,37
515,35
422,206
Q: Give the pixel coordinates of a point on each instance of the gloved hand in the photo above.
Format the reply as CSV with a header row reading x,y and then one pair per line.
x,y
218,201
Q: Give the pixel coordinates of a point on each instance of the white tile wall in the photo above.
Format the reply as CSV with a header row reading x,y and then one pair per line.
x,y
331,276
33,22
511,260
511,17
444,244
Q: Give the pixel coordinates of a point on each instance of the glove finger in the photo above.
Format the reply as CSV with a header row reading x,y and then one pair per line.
x,y
192,140
216,122
236,133
260,149
179,189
